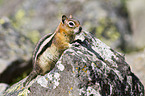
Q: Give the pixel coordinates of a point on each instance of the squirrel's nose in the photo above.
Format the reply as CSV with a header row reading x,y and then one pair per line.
x,y
80,29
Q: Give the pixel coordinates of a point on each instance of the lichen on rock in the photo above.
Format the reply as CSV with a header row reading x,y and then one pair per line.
x,y
88,68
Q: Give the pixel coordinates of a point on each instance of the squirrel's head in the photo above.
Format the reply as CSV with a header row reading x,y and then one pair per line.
x,y
71,25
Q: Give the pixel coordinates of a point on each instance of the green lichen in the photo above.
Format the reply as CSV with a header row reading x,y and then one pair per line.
x,y
2,21
24,92
19,19
106,30
14,88
34,36
1,2
20,14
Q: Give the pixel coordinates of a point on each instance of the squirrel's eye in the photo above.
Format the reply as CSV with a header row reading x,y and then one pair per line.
x,y
71,24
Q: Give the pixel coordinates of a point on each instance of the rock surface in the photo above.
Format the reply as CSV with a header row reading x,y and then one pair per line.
x,y
108,20
15,52
88,68
31,19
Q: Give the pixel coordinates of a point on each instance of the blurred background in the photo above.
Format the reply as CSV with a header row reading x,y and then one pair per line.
x,y
118,23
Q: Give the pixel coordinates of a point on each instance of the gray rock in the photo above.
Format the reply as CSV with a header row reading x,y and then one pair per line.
x,y
109,17
88,68
15,52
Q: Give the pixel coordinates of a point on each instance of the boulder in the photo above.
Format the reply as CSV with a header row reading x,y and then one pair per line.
x,y
88,68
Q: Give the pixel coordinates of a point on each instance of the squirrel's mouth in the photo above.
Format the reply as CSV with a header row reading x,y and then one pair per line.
x,y
78,30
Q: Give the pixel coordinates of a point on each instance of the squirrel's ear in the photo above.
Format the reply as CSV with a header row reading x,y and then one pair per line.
x,y
70,16
63,18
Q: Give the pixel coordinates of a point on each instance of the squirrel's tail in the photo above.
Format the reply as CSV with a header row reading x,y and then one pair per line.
x,y
31,76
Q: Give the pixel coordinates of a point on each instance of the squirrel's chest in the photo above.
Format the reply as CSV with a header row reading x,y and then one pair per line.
x,y
48,58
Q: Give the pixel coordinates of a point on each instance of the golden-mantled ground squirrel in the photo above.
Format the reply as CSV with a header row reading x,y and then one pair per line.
x,y
50,47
